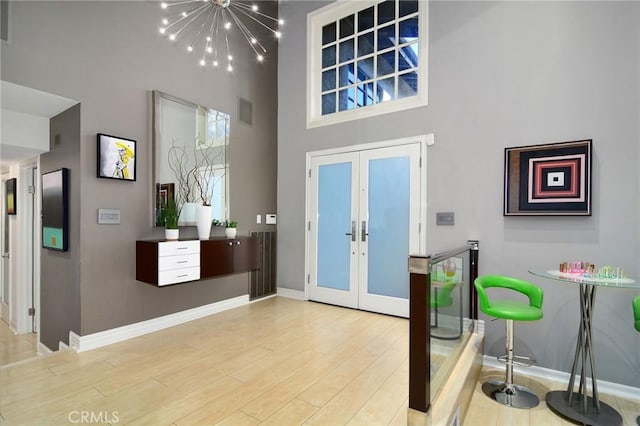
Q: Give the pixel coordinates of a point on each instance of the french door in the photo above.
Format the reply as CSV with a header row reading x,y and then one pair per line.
x,y
365,210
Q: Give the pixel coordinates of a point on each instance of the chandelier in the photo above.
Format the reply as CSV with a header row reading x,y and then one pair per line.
x,y
205,26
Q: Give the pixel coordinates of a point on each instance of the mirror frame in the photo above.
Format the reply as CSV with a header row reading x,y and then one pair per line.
x,y
156,137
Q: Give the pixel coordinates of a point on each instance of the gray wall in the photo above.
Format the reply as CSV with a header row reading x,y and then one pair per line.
x,y
109,56
500,75
60,271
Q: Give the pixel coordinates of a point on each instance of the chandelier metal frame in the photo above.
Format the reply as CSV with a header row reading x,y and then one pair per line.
x,y
206,25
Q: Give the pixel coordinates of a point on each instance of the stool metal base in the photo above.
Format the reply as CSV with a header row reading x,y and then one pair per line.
x,y
515,396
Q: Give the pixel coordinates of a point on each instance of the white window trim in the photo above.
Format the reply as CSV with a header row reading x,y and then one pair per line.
x,y
332,13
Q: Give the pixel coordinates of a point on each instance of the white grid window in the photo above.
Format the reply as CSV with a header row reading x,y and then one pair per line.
x,y
366,58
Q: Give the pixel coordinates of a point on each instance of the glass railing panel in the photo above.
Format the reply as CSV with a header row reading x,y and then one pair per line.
x,y
450,323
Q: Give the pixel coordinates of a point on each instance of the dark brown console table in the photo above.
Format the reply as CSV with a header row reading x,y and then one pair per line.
x,y
161,262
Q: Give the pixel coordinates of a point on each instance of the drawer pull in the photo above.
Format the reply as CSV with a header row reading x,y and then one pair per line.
x,y
182,276
183,261
237,243
182,248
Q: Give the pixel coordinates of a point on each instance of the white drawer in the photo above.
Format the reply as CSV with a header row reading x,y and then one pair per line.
x,y
172,248
166,263
178,275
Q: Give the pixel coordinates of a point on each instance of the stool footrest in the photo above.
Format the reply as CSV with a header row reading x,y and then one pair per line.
x,y
518,360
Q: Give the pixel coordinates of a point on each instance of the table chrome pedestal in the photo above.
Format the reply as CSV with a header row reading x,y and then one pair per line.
x,y
578,406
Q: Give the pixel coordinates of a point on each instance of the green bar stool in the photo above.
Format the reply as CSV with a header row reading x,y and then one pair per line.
x,y
636,312
506,392
636,323
442,287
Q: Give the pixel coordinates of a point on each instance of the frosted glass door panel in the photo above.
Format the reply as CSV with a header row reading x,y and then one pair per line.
x,y
334,221
389,227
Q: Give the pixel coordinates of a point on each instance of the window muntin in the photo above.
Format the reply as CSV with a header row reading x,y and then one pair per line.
x,y
369,56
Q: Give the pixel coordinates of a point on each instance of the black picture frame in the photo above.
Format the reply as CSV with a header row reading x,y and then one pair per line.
x,y
116,158
10,196
548,180
55,210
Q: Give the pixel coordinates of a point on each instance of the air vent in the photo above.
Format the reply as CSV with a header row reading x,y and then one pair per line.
x,y
245,111
4,20
56,140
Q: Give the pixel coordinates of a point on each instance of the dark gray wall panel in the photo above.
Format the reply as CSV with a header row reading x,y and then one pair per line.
x,y
60,271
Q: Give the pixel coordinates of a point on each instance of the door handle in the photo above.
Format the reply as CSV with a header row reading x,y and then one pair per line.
x,y
353,231
364,232
5,255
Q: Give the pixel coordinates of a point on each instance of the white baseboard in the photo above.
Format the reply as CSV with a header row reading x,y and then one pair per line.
x,y
62,346
291,294
43,349
108,337
610,388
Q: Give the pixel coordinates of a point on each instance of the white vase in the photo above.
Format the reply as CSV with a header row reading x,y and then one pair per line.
x,y
171,234
230,232
203,221
188,214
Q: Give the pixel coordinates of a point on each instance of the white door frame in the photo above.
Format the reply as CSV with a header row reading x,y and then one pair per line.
x,y
24,250
28,257
421,139
5,308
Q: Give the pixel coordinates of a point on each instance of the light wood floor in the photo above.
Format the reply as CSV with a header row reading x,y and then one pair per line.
x,y
16,347
275,362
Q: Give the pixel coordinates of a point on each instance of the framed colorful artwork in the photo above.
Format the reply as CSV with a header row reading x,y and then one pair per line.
x,y
10,195
548,180
116,158
55,210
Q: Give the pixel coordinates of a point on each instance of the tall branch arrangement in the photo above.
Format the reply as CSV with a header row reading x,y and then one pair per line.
x,y
178,160
195,179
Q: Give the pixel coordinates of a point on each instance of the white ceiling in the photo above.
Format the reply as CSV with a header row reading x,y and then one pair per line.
x,y
31,101
25,100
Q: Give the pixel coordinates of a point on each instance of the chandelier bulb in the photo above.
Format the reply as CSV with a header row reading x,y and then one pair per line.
x,y
212,8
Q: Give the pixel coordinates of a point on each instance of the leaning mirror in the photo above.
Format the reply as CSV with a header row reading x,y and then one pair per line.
x,y
190,158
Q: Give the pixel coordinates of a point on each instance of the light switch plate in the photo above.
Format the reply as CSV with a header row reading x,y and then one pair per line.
x,y
271,219
259,218
109,216
445,218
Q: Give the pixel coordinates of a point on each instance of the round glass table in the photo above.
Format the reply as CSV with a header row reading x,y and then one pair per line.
x,y
578,405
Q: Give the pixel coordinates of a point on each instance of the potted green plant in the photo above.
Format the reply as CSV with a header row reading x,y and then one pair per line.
x,y
169,216
230,228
